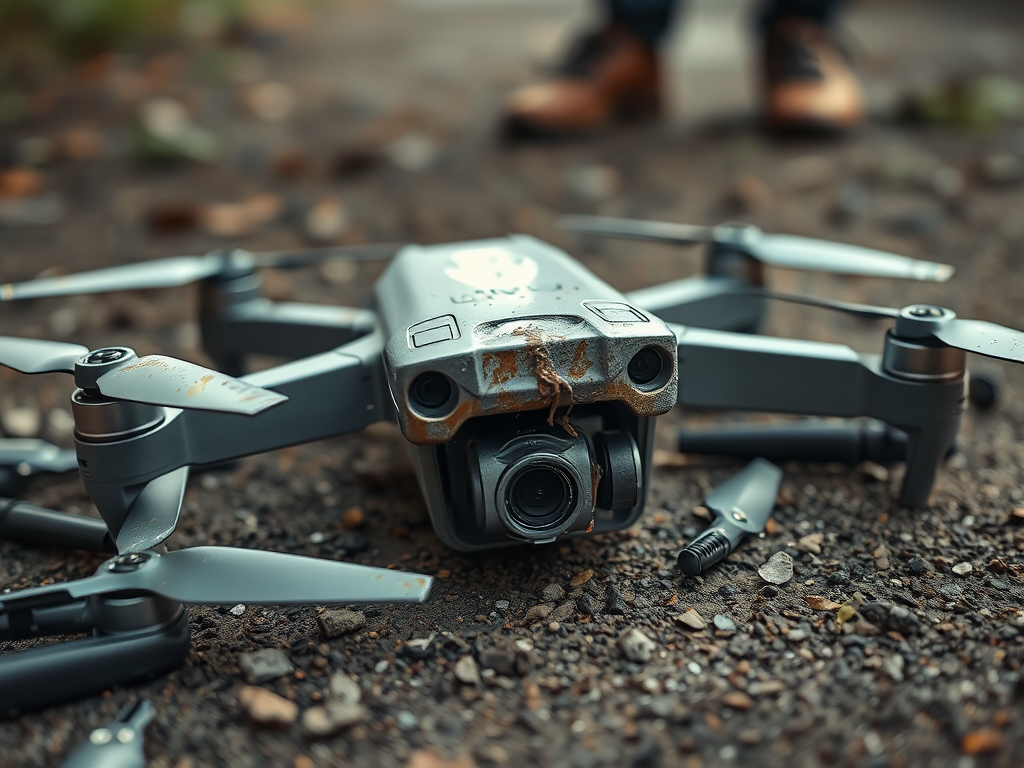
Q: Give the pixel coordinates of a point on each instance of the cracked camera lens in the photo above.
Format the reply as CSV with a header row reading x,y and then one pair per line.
x,y
645,366
540,497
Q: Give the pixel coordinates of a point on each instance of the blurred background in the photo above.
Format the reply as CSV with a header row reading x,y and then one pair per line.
x,y
137,129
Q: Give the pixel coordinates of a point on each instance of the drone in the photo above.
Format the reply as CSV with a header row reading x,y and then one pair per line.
x,y
526,388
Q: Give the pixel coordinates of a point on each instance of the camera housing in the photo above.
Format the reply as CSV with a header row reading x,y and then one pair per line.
x,y
526,388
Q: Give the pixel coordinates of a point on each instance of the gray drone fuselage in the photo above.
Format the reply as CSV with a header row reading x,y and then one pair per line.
x,y
515,341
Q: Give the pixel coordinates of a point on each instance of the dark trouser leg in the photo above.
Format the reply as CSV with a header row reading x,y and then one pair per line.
x,y
822,12
648,19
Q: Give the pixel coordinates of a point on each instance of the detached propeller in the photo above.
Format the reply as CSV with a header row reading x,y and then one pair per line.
x,y
788,251
228,576
922,320
182,270
117,372
742,505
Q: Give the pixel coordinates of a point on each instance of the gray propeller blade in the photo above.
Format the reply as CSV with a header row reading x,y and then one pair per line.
x,y
29,456
154,514
792,252
118,744
182,270
174,383
227,576
662,231
983,338
162,273
788,251
751,491
865,311
34,356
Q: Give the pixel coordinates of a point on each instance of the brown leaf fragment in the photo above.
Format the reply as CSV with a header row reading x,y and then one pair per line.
x,y
819,603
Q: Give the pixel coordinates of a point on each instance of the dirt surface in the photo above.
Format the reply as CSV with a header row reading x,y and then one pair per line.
x,y
532,656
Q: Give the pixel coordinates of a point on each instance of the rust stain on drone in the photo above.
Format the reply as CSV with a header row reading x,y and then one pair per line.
x,y
422,431
555,390
505,366
200,385
580,364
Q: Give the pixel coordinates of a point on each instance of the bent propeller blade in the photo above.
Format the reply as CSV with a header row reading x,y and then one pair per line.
x,y
793,252
35,356
153,516
173,383
637,229
159,273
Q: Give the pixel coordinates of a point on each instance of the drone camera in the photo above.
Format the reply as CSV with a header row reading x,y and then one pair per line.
x,y
528,392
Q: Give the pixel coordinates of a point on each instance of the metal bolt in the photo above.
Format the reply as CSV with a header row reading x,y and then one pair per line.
x,y
108,355
128,562
125,735
739,515
925,311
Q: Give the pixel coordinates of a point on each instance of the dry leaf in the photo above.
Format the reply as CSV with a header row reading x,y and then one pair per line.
x,y
819,603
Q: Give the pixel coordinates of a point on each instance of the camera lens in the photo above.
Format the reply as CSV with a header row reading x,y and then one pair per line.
x,y
431,394
645,366
540,496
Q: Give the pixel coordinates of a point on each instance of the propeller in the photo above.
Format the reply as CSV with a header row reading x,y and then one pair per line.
x,y
788,251
922,320
182,270
742,506
153,516
118,744
118,373
228,576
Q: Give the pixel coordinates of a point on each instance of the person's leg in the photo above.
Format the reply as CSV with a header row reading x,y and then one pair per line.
x,y
610,74
649,20
808,80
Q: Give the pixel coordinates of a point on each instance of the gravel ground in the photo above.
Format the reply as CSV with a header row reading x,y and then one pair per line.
x,y
594,652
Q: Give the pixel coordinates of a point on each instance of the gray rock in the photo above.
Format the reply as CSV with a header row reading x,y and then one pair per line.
x,y
636,646
564,612
538,612
588,605
334,716
263,665
917,566
553,592
890,616
466,671
778,569
336,622
501,660
724,623
344,689
616,604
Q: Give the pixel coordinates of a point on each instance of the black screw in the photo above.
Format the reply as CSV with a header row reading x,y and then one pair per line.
x,y
128,562
430,392
645,366
108,355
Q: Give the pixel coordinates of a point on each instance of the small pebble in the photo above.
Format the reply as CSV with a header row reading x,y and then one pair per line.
x,y
336,622
778,569
266,708
636,646
724,624
962,569
264,665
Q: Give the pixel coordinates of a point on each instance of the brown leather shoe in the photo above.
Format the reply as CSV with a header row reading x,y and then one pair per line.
x,y
809,83
611,76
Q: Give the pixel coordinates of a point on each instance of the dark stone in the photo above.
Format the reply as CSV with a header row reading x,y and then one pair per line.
x,y
500,660
353,542
728,590
889,616
615,605
917,566
588,605
838,578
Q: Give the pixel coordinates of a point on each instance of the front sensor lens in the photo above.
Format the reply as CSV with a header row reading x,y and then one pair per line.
x,y
431,393
645,366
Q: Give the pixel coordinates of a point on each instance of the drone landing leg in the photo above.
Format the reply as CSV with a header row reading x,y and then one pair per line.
x,y
287,330
720,303
27,523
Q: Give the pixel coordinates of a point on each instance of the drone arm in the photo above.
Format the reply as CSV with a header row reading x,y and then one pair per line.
x,y
724,303
330,394
722,370
287,330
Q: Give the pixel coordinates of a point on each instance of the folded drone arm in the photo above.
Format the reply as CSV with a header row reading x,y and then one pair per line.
x,y
330,394
719,302
722,370
283,329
